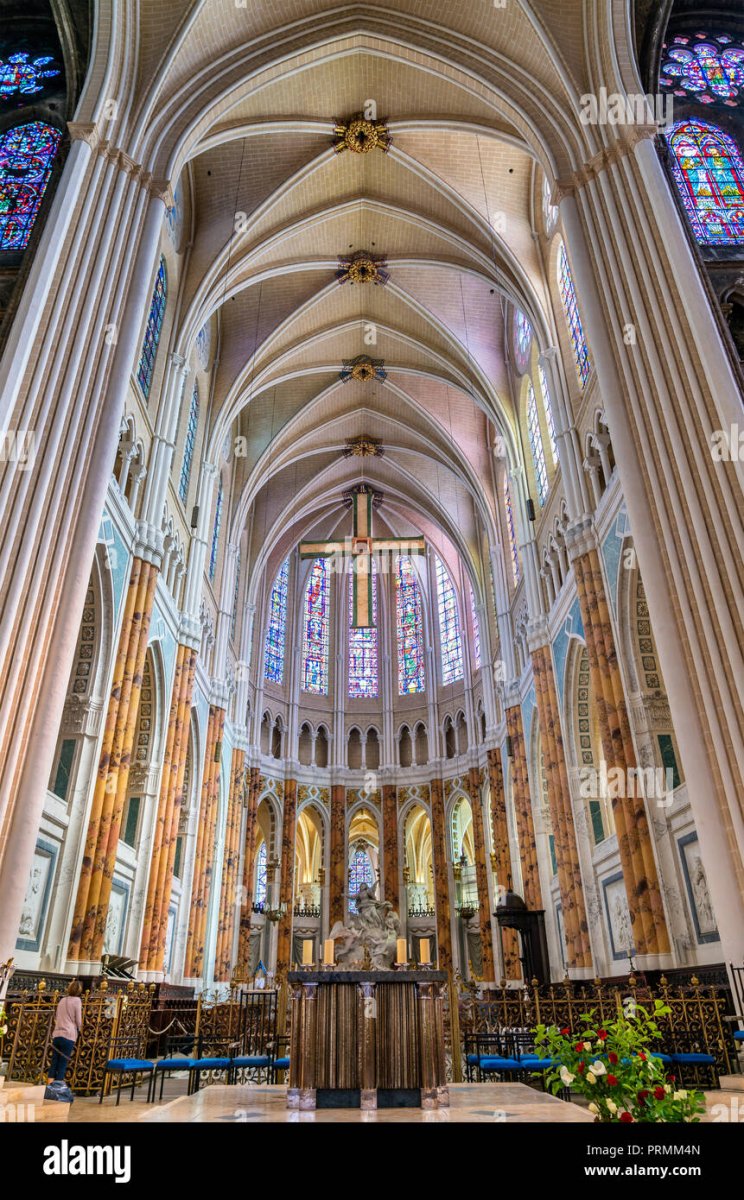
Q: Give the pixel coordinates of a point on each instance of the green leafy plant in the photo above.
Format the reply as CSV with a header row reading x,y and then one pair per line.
x,y
3,1022
613,1066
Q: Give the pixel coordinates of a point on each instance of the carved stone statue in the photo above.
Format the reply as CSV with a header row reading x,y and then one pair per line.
x,y
373,927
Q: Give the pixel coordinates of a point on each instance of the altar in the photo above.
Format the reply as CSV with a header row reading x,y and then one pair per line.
x,y
367,1039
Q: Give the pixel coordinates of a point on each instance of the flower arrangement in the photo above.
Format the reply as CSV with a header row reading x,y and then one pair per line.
x,y
614,1068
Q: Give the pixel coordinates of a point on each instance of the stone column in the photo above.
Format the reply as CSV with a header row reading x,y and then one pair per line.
x,y
637,858
170,805
230,865
286,881
202,878
481,870
337,875
578,948
246,906
391,876
441,876
109,795
523,809
500,842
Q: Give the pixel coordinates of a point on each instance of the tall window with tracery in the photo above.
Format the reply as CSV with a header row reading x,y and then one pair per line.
x,y
450,639
476,632
509,512
709,174
522,339
411,677
276,630
360,871
571,309
188,446
536,445
216,532
26,156
548,406
363,649
316,630
706,68
153,330
260,888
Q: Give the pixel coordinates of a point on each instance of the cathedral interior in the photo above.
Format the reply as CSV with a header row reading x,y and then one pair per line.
x,y
371,490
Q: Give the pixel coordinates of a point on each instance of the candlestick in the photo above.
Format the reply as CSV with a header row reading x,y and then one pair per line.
x,y
424,953
329,952
307,953
401,950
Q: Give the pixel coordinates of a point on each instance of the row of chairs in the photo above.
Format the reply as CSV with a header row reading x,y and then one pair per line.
x,y
188,1055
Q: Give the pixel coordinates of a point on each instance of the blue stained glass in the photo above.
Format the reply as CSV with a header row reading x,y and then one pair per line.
x,y
188,446
512,533
548,406
450,640
709,174
260,888
361,871
522,339
26,156
710,70
571,309
536,445
476,632
152,332
21,73
363,648
410,633
216,532
315,634
276,631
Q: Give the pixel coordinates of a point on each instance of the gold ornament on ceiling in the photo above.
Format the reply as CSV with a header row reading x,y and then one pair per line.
x,y
362,369
360,135
363,447
362,267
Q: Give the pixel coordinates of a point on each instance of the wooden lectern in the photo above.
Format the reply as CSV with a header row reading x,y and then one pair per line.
x,y
367,1039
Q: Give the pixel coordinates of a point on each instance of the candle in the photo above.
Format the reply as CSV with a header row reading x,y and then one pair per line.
x,y
307,953
329,952
424,957
401,948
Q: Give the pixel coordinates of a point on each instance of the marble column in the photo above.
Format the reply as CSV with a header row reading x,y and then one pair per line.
x,y
500,842
230,865
576,926
170,805
249,861
523,809
337,875
109,795
391,876
481,873
637,858
441,876
286,880
202,878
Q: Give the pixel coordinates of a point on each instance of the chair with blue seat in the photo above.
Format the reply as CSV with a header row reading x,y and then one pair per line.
x,y
278,1049
180,1055
215,1055
692,1061
126,1058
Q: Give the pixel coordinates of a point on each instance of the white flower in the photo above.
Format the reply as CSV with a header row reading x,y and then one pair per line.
x,y
590,1078
667,1087
566,1076
587,1045
593,1108
679,1096
598,1067
612,1106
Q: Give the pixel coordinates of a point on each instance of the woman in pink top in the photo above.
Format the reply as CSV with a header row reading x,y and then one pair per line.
x,y
67,1024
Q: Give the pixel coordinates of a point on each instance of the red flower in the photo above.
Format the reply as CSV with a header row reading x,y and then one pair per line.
x,y
565,1032
659,1093
671,1078
642,1056
602,1034
611,1081
642,1096
579,1047
580,1068
626,1118
612,1057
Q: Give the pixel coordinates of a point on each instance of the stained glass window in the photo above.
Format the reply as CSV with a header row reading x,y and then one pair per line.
x,y
216,532
522,339
548,406
476,632
450,641
204,345
360,871
21,73
153,330
315,634
260,888
363,649
709,174
571,308
276,631
236,593
26,155
550,211
710,69
510,526
536,445
410,631
188,446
